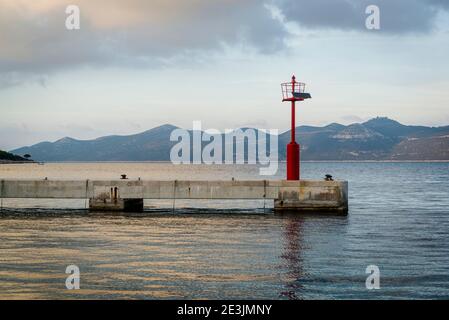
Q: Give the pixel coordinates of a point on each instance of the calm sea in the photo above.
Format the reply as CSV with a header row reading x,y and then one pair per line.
x,y
398,220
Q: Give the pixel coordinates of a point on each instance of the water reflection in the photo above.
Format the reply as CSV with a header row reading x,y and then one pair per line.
x,y
291,256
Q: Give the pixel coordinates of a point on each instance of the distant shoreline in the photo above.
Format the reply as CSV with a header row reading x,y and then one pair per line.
x,y
282,161
16,162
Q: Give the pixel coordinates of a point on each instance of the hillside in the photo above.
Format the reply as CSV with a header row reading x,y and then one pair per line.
x,y
376,139
151,145
8,157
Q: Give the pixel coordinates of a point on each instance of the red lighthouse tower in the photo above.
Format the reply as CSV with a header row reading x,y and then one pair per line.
x,y
293,91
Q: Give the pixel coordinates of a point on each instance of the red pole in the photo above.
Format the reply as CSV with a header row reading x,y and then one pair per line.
x,y
293,147
293,112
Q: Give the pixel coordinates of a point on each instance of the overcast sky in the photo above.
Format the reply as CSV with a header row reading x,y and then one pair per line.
x,y
137,64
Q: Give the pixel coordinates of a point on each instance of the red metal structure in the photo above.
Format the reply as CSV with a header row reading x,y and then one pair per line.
x,y
293,91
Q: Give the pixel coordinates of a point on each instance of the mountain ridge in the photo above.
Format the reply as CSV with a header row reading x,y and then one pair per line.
x,y
379,138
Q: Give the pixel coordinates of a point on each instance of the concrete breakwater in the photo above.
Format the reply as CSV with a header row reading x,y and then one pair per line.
x,y
128,195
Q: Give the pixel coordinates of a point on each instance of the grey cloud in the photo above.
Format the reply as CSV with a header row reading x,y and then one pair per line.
x,y
148,33
439,3
11,79
397,16
40,43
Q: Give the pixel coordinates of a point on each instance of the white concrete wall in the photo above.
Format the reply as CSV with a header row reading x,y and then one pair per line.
x,y
165,189
288,195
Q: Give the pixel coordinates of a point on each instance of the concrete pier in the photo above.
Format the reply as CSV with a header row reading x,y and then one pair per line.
x,y
312,196
127,195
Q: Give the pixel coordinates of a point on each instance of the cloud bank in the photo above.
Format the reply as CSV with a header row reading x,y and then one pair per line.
x,y
34,40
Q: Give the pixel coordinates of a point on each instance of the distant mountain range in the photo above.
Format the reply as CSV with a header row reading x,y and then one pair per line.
x,y
376,139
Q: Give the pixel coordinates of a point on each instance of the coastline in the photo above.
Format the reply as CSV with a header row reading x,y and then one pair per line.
x,y
16,162
280,161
